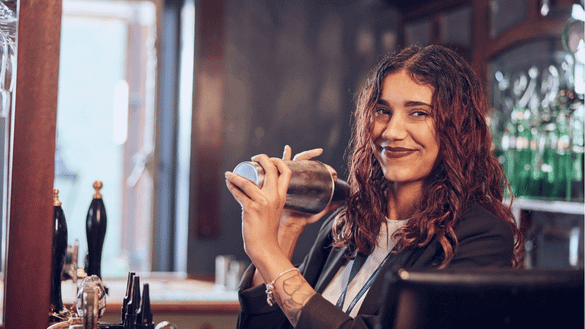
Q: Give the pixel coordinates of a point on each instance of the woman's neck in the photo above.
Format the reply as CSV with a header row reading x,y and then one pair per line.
x,y
401,199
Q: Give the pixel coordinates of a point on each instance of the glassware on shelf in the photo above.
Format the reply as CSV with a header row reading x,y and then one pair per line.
x,y
542,139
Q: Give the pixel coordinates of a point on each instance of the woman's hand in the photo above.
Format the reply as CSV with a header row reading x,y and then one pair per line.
x,y
262,210
261,207
292,223
293,218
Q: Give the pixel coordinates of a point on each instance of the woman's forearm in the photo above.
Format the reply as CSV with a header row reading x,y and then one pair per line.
x,y
290,289
288,237
287,240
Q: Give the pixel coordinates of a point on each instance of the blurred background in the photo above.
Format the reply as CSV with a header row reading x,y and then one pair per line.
x,y
158,98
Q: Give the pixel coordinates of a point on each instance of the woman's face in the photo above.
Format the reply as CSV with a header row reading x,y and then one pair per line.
x,y
405,141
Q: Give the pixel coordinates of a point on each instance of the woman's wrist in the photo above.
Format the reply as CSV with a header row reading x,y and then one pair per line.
x,y
288,236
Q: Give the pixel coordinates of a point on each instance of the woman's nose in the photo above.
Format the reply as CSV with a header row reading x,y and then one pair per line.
x,y
395,128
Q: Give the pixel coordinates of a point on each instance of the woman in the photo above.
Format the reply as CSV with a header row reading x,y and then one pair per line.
x,y
426,193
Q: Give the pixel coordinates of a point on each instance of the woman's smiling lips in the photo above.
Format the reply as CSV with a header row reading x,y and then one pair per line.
x,y
396,152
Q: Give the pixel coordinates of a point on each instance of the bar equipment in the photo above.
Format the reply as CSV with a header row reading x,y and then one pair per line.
x,y
144,314
90,308
91,283
58,312
96,224
133,304
127,295
311,186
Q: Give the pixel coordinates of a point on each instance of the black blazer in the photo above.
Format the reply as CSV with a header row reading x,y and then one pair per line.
x,y
484,240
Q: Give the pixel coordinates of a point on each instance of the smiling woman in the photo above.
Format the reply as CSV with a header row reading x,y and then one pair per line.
x,y
426,193
405,141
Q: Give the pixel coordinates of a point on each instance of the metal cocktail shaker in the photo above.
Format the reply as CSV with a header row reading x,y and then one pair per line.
x,y
311,187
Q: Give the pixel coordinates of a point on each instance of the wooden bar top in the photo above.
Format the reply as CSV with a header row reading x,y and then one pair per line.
x,y
168,296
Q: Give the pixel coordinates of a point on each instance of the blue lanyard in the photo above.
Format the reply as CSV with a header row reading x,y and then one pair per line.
x,y
358,262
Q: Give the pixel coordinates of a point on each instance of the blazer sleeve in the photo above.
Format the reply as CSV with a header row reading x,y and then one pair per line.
x,y
484,240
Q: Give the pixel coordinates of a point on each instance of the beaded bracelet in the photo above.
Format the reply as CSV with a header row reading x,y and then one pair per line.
x,y
270,286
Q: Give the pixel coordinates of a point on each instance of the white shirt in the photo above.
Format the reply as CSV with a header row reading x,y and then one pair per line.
x,y
339,281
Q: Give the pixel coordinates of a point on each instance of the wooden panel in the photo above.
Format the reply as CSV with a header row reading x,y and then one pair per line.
x,y
431,8
28,268
479,37
524,32
206,175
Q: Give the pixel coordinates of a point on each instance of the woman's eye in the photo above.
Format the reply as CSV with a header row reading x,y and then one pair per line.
x,y
420,113
382,113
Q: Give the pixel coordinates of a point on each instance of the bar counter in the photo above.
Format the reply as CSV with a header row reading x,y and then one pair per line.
x,y
188,303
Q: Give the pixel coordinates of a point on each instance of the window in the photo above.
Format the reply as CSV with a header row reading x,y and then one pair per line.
x,y
106,120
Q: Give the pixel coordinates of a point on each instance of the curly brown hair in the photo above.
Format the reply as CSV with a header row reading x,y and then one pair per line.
x,y
466,170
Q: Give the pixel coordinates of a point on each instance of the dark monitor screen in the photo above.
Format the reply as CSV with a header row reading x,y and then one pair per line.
x,y
483,299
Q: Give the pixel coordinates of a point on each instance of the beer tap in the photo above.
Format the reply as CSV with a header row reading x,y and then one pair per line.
x,y
58,312
96,232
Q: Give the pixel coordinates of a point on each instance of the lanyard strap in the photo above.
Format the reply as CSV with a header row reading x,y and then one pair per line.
x,y
358,262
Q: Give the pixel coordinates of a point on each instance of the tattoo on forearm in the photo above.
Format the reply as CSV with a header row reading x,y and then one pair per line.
x,y
293,297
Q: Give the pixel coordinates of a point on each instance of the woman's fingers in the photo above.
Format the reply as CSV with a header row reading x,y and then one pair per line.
x,y
287,154
270,170
241,188
307,155
332,171
283,177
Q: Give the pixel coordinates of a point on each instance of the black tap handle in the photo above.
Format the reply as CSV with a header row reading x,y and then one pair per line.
x,y
133,304
95,227
128,295
144,317
59,250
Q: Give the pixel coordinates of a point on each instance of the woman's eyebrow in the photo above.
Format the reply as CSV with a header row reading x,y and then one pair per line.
x,y
406,104
383,102
417,103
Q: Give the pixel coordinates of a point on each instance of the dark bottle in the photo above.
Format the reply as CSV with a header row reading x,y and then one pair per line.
x,y
127,296
133,305
95,228
144,314
59,249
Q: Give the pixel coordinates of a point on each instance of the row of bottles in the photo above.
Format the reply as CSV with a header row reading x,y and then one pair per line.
x,y
545,159
540,139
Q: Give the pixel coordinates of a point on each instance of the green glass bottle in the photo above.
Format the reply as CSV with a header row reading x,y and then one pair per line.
x,y
562,184
509,155
522,167
549,160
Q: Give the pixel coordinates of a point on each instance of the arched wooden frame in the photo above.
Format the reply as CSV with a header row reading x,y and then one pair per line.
x,y
484,48
534,27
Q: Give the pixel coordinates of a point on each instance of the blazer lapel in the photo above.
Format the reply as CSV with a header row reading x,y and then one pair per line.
x,y
331,267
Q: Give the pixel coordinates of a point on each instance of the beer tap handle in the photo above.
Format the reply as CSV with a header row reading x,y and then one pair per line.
x,y
127,296
59,251
96,224
144,317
